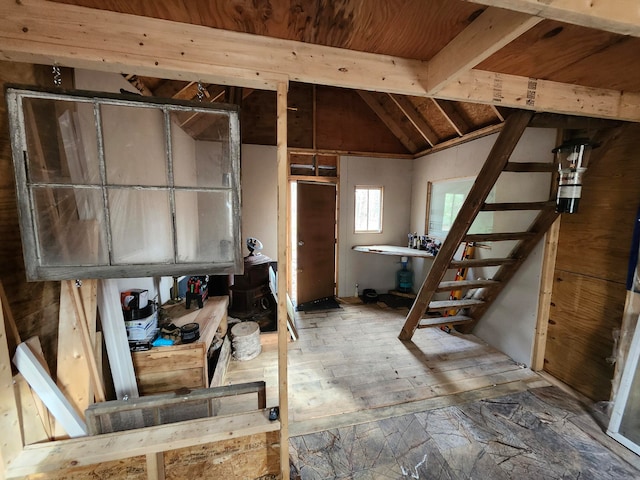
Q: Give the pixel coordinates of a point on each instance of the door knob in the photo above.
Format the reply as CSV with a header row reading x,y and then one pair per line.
x,y
300,243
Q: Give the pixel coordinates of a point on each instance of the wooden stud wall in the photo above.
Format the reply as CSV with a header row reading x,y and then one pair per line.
x,y
591,267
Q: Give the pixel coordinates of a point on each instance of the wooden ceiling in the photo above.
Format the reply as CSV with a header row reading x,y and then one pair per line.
x,y
438,69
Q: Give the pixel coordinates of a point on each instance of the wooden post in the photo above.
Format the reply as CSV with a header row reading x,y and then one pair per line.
x,y
155,466
544,300
283,202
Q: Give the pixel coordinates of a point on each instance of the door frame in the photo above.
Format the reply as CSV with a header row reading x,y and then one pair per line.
x,y
292,275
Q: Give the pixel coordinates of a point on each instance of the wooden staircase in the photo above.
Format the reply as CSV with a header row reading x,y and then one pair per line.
x,y
423,313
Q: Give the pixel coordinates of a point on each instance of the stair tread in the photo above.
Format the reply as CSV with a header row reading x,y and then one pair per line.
x,y
517,206
438,321
452,304
461,284
493,237
530,167
480,262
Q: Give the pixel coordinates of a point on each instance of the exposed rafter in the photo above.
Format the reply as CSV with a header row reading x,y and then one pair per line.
x,y
388,119
38,31
487,34
448,110
617,16
416,118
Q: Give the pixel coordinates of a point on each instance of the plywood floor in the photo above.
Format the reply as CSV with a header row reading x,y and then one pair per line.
x,y
364,405
348,367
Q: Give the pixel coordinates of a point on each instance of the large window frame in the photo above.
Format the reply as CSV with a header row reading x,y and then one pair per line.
x,y
226,191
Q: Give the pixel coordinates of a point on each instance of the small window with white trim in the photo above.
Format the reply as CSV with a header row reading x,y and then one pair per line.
x,y
368,209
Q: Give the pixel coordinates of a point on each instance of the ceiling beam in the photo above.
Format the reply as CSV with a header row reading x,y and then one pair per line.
x,y
39,31
617,16
487,34
543,96
388,119
416,118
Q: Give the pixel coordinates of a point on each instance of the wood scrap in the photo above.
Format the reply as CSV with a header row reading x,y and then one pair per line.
x,y
41,382
48,422
87,343
11,440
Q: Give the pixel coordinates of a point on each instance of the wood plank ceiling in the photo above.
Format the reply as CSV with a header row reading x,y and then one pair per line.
x,y
436,31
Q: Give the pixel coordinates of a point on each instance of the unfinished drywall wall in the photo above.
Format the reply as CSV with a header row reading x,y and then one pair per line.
x,y
259,182
366,269
509,324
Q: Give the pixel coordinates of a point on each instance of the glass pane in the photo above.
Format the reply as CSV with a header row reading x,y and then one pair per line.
x,y
61,142
374,209
70,226
361,209
204,226
140,226
200,149
134,145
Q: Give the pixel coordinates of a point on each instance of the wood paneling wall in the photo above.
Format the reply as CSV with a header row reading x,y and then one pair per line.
x,y
591,267
34,305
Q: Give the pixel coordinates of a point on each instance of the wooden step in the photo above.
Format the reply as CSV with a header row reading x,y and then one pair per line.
x,y
511,206
481,262
443,305
530,167
439,321
498,237
464,284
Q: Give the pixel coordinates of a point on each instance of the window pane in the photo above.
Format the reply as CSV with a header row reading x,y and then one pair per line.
x,y
200,147
70,226
140,226
361,208
134,155
204,226
62,146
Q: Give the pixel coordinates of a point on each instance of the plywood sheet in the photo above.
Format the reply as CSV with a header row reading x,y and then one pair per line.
x,y
344,122
596,240
584,313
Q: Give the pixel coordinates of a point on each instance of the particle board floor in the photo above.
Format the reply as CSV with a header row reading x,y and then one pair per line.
x,y
348,366
534,434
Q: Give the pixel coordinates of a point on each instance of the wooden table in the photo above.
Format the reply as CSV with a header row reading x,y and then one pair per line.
x,y
166,369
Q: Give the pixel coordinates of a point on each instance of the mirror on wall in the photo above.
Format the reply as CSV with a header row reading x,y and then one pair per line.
x,y
125,186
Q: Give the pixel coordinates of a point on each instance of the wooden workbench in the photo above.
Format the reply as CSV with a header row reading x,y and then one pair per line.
x,y
166,369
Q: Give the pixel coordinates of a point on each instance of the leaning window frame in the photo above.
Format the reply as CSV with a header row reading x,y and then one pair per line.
x,y
35,271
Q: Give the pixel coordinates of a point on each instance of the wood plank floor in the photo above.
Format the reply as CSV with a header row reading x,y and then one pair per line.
x,y
348,364
364,405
